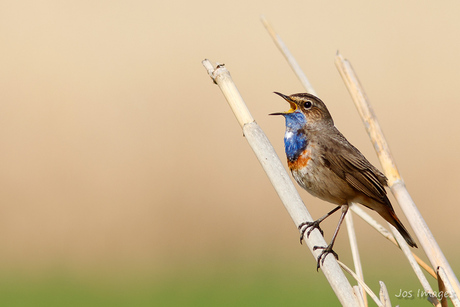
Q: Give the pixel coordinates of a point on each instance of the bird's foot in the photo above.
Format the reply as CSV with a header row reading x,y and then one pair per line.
x,y
310,226
326,251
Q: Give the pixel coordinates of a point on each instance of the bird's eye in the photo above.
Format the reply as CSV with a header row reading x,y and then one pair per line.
x,y
307,104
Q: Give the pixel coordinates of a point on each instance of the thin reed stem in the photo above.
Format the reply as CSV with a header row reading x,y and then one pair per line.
x,y
354,250
289,57
309,88
280,180
395,182
361,283
384,232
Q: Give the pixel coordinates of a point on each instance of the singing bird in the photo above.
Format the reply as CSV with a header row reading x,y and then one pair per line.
x,y
324,163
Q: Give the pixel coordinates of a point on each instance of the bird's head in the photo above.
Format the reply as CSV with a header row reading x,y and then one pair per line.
x,y
306,110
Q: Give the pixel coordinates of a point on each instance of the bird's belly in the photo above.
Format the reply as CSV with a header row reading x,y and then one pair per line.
x,y
319,180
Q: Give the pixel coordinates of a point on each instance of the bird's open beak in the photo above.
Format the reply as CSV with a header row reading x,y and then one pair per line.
x,y
291,103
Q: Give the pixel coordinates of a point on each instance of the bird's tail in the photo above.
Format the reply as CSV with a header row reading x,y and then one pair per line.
x,y
390,217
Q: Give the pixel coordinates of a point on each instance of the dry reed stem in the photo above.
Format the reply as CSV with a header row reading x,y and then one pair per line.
x,y
413,258
418,272
442,289
289,57
222,77
395,182
307,85
361,283
355,251
446,286
384,296
280,180
384,232
360,294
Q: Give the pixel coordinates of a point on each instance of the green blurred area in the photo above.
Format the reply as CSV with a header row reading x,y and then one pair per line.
x,y
224,284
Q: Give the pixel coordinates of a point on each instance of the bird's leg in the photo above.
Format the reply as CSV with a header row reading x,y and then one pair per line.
x,y
313,225
328,249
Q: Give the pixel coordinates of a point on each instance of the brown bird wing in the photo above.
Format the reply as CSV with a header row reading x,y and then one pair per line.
x,y
348,163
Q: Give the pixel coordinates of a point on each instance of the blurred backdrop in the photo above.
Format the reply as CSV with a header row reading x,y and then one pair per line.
x,y
125,179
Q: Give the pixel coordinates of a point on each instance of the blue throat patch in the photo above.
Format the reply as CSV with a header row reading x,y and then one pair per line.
x,y
295,139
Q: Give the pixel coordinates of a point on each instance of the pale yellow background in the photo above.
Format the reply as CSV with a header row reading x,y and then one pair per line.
x,y
118,152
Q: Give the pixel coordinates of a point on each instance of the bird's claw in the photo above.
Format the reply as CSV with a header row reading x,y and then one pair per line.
x,y
326,251
310,226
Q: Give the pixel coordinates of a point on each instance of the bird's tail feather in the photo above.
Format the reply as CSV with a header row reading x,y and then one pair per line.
x,y
393,220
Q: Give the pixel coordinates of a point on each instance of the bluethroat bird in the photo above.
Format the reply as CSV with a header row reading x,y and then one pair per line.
x,y
325,164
